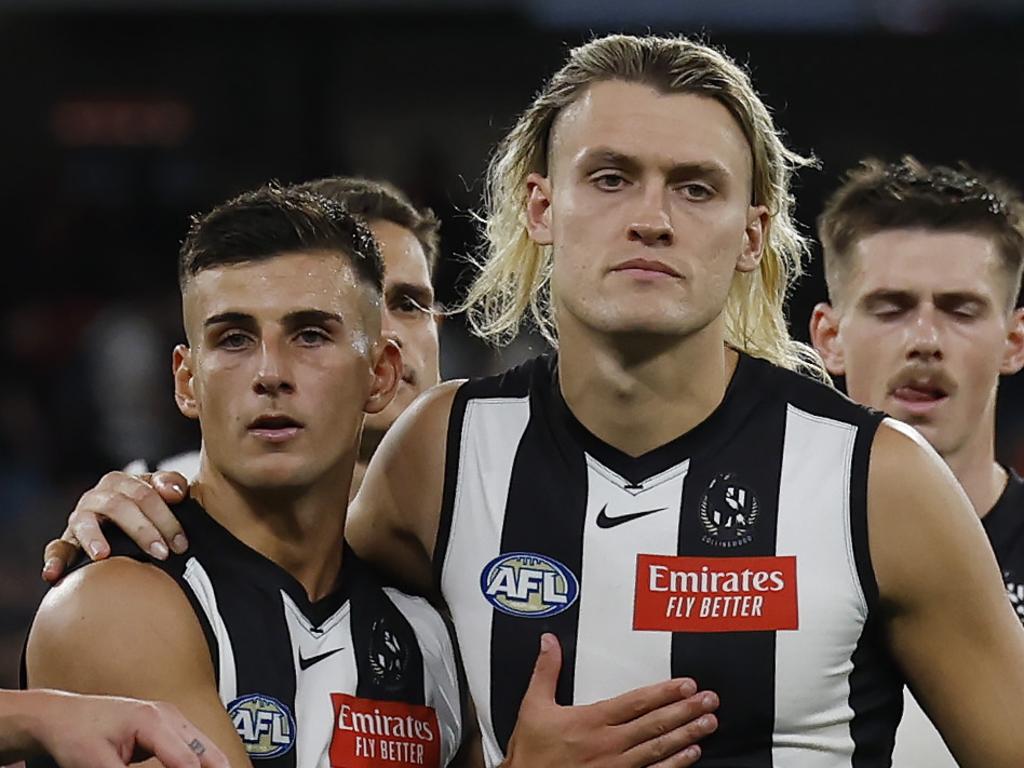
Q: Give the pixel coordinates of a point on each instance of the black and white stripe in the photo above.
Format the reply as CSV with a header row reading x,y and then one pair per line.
x,y
524,476
266,639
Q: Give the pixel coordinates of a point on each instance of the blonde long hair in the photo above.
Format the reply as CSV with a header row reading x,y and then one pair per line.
x,y
514,280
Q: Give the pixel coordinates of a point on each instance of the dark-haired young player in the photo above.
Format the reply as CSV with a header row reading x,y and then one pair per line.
x,y
269,634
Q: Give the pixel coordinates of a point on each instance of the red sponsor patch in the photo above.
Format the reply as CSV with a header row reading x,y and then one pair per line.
x,y
715,594
383,734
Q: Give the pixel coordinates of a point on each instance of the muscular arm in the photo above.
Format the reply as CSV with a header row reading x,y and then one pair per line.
x,y
393,521
950,625
124,628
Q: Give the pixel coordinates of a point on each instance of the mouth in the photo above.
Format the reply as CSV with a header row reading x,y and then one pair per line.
x,y
274,428
646,268
919,399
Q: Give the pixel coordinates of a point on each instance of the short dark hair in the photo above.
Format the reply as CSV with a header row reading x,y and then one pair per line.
x,y
379,200
272,220
878,196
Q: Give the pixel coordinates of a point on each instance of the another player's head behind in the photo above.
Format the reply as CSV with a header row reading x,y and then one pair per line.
x,y
923,265
409,240
281,297
646,190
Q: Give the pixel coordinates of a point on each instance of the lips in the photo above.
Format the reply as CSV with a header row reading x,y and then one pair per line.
x,y
646,267
919,395
274,428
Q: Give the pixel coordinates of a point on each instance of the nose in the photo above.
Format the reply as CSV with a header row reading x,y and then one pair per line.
x,y
272,377
924,341
652,224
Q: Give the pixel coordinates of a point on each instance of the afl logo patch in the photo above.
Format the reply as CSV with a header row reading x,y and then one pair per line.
x,y
529,585
264,724
728,511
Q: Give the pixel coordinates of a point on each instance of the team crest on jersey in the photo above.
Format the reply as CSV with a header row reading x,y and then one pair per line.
x,y
1015,589
389,657
728,512
529,585
264,724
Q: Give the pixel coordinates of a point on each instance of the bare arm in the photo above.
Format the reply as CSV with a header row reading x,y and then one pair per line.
x,y
950,625
100,731
124,628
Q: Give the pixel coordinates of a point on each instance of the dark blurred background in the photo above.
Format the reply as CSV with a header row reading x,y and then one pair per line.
x,y
119,119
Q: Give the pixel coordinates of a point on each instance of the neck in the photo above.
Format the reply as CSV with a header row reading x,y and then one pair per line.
x,y
300,529
639,393
975,467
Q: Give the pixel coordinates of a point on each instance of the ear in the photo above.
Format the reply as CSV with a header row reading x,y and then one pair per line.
x,y
755,235
1013,356
825,337
387,373
538,208
181,365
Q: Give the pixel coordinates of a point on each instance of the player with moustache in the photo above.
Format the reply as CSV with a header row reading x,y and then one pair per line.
x,y
270,635
640,213
923,265
409,245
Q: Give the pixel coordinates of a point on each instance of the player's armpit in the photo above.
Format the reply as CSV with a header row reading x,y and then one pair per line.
x,y
125,628
393,521
949,623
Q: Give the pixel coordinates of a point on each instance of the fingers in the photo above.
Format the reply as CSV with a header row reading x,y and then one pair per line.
x,y
176,743
545,672
134,507
172,486
684,759
666,734
58,555
629,706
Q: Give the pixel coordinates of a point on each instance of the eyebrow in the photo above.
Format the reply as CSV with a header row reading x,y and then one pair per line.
x,y
422,293
910,298
294,319
697,169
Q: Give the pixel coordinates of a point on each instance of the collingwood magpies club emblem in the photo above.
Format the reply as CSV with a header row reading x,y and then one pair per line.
x,y
728,512
389,658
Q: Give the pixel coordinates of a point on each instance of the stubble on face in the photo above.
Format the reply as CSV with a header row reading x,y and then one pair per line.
x,y
923,328
649,208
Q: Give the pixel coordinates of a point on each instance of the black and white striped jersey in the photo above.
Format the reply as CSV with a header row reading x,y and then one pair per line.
x,y
366,677
737,554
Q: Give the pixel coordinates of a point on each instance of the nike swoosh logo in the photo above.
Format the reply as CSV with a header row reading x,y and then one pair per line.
x,y
307,663
603,521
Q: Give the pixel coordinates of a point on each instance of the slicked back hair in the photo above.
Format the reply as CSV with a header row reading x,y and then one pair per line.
x,y
909,194
514,281
274,220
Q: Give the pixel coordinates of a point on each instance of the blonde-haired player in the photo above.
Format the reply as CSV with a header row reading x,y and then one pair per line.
x,y
666,495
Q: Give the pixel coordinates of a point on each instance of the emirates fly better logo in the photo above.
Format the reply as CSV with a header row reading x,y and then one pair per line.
x,y
715,594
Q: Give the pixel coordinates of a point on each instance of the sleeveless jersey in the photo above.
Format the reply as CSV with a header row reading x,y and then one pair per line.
x,y
736,554
918,743
366,677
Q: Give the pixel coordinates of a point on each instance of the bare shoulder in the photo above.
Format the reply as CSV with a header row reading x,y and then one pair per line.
x,y
918,515
905,472
101,629
393,521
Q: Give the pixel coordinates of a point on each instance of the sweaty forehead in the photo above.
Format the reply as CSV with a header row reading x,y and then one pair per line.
x,y
661,128
274,287
925,262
